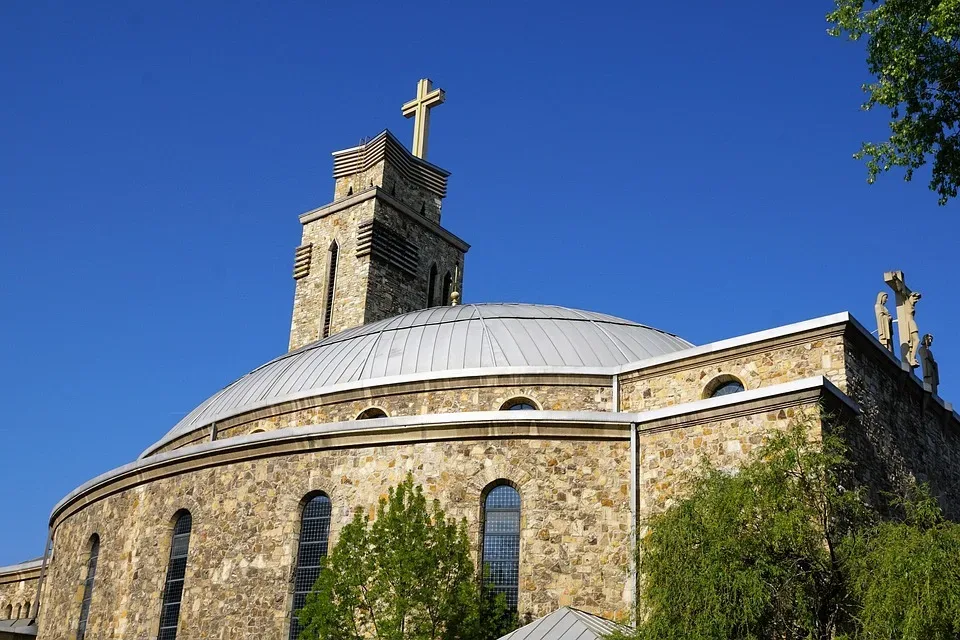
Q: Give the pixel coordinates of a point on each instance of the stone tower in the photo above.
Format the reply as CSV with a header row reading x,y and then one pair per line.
x,y
378,249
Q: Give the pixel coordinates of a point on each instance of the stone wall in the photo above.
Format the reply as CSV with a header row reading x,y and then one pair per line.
x,y
309,302
18,590
667,457
904,432
407,400
574,541
756,365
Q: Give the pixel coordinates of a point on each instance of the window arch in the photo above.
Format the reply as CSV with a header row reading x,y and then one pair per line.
x,y
333,255
88,585
8,612
501,541
176,571
314,535
519,404
26,609
432,286
447,285
722,385
372,412
18,611
257,431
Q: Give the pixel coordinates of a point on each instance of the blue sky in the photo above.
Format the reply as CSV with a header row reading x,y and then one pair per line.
x,y
687,169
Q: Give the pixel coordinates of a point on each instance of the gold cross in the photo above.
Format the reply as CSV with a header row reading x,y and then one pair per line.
x,y
427,98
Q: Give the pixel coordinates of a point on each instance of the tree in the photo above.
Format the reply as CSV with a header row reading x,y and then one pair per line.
x,y
784,549
407,575
913,52
906,574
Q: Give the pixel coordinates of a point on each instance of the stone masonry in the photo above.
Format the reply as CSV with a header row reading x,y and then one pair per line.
x,y
574,545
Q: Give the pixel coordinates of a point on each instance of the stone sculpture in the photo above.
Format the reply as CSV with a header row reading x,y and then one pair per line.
x,y
931,371
884,322
913,343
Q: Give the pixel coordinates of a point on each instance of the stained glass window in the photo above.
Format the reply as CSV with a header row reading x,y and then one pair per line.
x,y
88,586
314,534
518,404
726,388
501,542
176,570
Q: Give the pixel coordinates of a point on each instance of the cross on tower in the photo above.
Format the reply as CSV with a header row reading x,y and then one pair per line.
x,y
419,109
907,330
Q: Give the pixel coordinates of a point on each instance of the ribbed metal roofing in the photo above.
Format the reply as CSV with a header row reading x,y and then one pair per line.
x,y
567,623
442,339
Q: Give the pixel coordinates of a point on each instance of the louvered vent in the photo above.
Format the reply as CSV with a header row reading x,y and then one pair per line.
x,y
377,240
301,261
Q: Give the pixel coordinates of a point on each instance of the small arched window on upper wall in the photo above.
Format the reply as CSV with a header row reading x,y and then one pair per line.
x,y
519,404
88,585
722,386
333,256
314,535
501,542
8,612
447,286
372,412
176,572
432,286
26,610
19,609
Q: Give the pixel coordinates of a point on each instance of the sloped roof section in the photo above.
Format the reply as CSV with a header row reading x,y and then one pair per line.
x,y
469,337
567,623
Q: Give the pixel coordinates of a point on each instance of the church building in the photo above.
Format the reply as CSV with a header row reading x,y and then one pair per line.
x,y
554,432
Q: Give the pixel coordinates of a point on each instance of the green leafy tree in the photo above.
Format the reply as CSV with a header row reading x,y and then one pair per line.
x,y
407,575
906,574
783,549
913,53
752,554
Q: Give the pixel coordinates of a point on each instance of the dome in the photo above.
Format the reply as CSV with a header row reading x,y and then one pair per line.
x,y
432,342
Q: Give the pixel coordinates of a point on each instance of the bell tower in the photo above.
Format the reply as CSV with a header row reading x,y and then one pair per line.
x,y
378,250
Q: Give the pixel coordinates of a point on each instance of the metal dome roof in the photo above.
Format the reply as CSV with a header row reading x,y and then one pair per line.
x,y
438,340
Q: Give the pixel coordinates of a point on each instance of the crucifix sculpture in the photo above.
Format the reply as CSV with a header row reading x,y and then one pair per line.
x,y
907,331
419,109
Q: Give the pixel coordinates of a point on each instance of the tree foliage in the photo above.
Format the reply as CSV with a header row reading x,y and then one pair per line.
x,y
914,55
784,549
407,575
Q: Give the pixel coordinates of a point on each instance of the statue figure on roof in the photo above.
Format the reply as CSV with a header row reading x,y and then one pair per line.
x,y
913,343
884,322
931,371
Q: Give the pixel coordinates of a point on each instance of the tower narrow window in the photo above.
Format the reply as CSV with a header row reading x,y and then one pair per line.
x,y
176,570
314,534
88,586
447,285
501,542
432,286
332,255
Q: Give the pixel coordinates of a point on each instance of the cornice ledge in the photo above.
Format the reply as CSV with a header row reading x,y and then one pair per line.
x,y
378,193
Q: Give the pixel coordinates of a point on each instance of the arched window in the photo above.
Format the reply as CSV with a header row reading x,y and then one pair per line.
x,y
8,612
501,541
314,534
26,610
372,412
432,286
519,404
332,256
88,585
722,386
18,611
447,285
176,570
